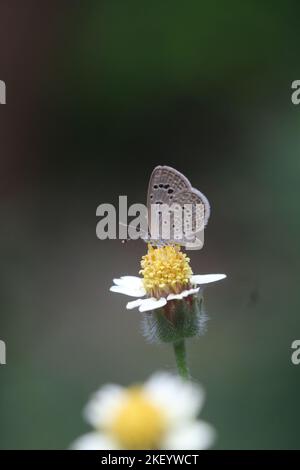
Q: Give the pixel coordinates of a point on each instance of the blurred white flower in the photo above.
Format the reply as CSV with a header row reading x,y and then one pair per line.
x,y
166,276
160,414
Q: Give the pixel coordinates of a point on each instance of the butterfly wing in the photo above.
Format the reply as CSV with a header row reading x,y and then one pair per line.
x,y
196,212
196,199
164,184
168,186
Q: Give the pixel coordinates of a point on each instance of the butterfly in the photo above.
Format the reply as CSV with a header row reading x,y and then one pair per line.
x,y
188,209
176,212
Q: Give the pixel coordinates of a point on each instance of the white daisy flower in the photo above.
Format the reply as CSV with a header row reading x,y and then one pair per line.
x,y
159,415
166,276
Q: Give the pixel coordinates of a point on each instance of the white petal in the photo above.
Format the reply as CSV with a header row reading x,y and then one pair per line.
x,y
175,296
152,304
118,282
195,435
137,280
100,410
130,281
128,290
134,304
206,278
183,294
181,400
94,441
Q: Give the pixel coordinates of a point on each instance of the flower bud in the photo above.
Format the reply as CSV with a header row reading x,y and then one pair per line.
x,y
177,320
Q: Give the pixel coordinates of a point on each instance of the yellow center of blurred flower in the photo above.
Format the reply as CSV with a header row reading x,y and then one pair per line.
x,y
138,423
165,270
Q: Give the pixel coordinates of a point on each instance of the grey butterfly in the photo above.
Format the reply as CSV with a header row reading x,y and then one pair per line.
x,y
177,212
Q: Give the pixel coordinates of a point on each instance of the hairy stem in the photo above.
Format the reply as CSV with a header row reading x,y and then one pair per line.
x,y
181,361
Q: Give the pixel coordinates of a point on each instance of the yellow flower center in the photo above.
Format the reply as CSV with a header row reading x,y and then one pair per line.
x,y
165,270
138,423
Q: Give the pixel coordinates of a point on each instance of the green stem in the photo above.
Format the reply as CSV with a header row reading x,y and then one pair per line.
x,y
180,355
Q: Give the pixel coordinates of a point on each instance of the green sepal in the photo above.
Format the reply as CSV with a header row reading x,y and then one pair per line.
x,y
177,320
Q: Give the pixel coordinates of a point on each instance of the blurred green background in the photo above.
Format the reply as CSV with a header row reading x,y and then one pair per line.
x,y
98,93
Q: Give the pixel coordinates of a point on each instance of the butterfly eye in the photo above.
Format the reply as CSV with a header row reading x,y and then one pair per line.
x,y
166,186
161,185
155,186
151,196
170,191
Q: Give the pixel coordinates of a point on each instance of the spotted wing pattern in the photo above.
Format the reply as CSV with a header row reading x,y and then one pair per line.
x,y
169,187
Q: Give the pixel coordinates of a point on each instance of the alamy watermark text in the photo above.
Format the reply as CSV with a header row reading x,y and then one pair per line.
x,y
2,92
158,223
2,352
